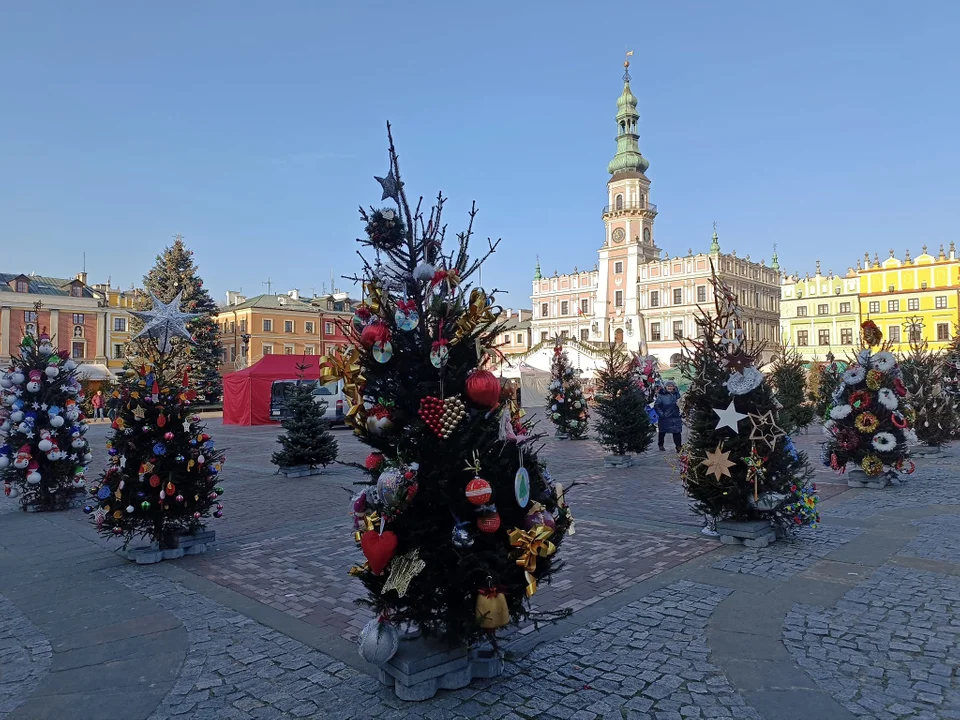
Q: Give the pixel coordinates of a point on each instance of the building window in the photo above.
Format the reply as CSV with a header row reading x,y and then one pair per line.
x,y
655,332
30,329
76,290
288,326
802,338
893,306
618,268
677,296
308,349
78,318
564,308
915,335
117,351
823,337
268,325
618,203
328,328
584,335
543,336
943,331
243,326
76,351
288,349
268,349
618,298
846,336
30,316
893,333
914,303
823,309
308,327
78,330
941,302
584,306
654,298
544,309
844,307
701,293
233,354
23,286
119,324
564,334
677,329
801,310
874,306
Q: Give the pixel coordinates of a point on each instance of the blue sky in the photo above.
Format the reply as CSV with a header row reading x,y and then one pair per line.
x,y
254,129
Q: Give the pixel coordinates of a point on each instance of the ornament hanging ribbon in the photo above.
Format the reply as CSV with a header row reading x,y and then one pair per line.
x,y
407,305
533,544
345,366
450,277
479,312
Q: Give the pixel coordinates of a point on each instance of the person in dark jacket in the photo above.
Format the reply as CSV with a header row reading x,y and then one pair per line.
x,y
667,405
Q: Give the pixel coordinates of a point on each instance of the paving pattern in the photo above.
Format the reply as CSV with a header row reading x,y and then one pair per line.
x,y
938,539
930,485
889,649
25,656
790,556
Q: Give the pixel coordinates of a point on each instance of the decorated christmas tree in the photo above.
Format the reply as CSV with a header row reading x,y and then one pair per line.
x,y
175,275
44,450
566,405
739,464
868,422
308,440
622,423
789,380
646,375
459,521
930,409
162,478
951,369
823,381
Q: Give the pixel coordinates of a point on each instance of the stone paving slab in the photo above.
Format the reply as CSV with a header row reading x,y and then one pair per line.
x,y
25,656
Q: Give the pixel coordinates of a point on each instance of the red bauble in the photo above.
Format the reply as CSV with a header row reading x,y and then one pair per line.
x,y
379,549
540,517
373,461
479,491
483,389
489,522
375,332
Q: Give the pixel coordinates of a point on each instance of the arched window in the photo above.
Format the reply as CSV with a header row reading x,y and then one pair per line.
x,y
619,203
646,236
78,331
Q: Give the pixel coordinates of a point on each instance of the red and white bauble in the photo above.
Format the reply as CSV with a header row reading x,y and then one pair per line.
x,y
479,491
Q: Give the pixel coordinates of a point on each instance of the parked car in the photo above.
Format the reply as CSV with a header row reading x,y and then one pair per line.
x,y
330,397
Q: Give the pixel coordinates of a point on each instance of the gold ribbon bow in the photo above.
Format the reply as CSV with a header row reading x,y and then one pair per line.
x,y
477,313
345,366
374,294
370,522
533,544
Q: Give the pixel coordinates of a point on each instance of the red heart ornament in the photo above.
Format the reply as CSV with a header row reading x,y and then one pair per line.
x,y
442,416
379,549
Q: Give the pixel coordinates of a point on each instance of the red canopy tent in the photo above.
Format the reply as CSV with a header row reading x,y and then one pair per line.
x,y
246,393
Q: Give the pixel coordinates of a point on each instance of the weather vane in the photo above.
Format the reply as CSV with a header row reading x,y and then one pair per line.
x,y
626,65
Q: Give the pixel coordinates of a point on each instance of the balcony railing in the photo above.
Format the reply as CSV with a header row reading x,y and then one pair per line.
x,y
630,207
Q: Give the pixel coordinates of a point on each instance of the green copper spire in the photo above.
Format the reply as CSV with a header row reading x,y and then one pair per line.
x,y
715,243
628,157
536,273
775,265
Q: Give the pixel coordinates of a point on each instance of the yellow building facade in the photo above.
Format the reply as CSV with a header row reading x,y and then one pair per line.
x,y
117,304
917,297
820,314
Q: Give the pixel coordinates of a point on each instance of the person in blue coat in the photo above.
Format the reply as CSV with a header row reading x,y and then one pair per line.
x,y
667,405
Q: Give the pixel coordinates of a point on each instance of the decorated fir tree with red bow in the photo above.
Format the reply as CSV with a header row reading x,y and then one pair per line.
x,y
43,447
566,406
869,421
459,521
162,480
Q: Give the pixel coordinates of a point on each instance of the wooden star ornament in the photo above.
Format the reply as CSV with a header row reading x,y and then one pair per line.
x,y
718,463
765,429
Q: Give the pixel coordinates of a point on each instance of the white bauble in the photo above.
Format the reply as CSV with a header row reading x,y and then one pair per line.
x,y
87,457
16,416
24,427
5,426
56,421
46,349
72,415
130,509
5,381
17,378
69,365
424,272
378,642
14,491
33,478
4,462
45,445
10,400
52,371
33,386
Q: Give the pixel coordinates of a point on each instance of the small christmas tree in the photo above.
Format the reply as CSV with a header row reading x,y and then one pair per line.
x,y
175,275
44,450
308,440
822,383
622,424
868,423
951,369
739,463
933,415
459,521
645,371
789,382
566,405
162,477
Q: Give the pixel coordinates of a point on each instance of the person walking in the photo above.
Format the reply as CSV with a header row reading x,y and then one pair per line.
x,y
98,403
667,406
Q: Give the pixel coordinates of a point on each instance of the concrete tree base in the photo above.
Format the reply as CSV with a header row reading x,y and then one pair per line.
x,y
192,544
859,479
300,471
751,533
618,461
422,666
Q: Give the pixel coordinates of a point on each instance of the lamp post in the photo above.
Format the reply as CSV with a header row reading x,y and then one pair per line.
x,y
245,340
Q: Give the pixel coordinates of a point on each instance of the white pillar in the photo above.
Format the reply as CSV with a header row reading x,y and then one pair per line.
x,y
5,332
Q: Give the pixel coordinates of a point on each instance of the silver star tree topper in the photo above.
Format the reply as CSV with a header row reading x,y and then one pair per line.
x,y
165,322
